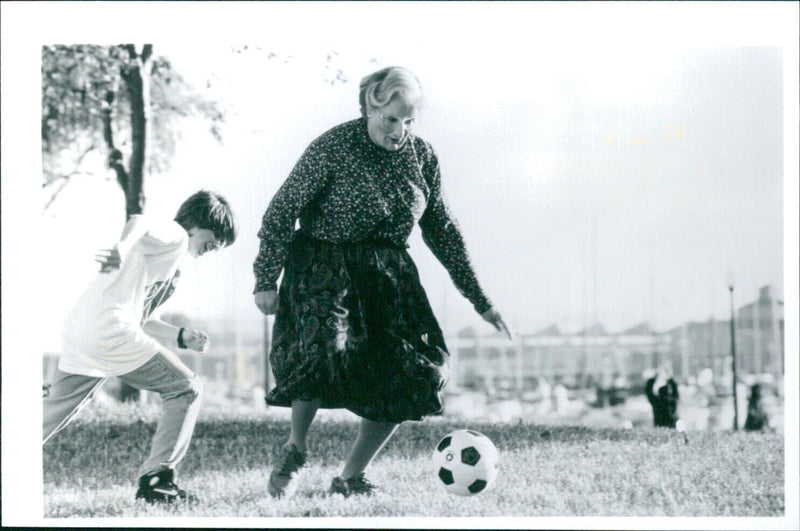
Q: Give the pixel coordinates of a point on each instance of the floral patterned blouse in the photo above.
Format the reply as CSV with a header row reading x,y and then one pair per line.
x,y
345,188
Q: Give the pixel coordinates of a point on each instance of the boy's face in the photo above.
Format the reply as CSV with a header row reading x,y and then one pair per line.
x,y
202,241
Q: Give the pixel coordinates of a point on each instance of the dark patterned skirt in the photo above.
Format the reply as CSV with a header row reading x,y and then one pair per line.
x,y
354,329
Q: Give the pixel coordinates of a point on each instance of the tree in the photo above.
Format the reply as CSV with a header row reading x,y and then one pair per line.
x,y
114,98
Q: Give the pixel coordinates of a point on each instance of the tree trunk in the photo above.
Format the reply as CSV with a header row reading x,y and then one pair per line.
x,y
138,84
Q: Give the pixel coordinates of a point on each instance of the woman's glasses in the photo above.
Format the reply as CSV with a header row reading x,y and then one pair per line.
x,y
390,122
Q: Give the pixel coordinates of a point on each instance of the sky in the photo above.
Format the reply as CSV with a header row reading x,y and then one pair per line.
x,y
613,181
606,161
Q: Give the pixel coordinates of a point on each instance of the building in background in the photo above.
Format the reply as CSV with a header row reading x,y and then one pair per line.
x,y
595,358
589,358
759,342
760,329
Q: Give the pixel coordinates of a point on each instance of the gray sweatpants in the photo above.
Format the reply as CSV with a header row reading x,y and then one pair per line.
x,y
180,389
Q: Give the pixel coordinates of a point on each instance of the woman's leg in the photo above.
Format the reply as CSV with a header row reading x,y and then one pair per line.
x,y
291,457
303,413
372,436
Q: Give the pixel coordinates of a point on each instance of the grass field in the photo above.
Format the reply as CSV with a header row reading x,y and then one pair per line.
x,y
544,470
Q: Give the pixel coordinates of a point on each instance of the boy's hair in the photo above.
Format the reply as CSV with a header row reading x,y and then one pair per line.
x,y
208,210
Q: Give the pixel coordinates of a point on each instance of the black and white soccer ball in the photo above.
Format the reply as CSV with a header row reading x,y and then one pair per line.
x,y
465,462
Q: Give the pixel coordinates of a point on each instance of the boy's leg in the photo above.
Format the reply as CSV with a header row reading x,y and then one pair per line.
x,y
68,394
181,392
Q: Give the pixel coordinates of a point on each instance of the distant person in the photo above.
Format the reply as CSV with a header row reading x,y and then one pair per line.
x,y
110,332
354,328
544,396
662,393
560,398
757,418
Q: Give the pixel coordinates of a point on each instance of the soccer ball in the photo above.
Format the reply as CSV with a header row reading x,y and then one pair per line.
x,y
465,462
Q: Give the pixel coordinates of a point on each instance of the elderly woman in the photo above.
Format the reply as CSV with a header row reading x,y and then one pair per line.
x,y
353,326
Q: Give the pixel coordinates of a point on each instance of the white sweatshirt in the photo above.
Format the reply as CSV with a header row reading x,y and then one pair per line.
x,y
103,333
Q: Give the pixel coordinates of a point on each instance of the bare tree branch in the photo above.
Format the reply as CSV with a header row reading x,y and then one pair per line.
x,y
75,171
63,180
115,163
147,51
51,181
107,132
63,183
115,155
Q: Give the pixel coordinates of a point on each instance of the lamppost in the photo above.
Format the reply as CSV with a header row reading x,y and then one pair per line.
x,y
730,279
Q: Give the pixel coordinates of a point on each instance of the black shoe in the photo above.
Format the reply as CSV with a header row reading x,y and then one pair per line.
x,y
356,485
283,479
159,487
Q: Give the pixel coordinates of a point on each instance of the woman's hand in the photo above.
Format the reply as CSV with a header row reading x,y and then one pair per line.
x,y
493,316
196,340
267,301
108,259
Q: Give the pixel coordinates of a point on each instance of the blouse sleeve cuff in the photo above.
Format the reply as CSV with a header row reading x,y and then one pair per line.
x,y
483,306
265,285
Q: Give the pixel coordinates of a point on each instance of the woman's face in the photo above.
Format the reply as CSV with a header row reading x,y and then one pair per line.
x,y
390,125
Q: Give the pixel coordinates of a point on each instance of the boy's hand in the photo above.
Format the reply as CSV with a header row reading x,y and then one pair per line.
x,y
267,301
196,340
108,258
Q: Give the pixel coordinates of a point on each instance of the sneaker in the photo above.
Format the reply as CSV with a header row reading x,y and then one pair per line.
x,y
357,484
283,480
160,487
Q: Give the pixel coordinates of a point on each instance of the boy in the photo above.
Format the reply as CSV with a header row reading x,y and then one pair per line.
x,y
109,332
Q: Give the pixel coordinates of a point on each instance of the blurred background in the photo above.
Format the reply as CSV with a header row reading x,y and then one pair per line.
x,y
622,199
